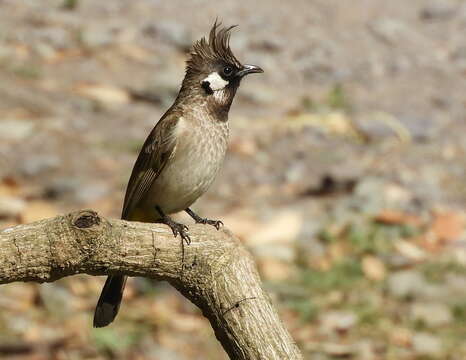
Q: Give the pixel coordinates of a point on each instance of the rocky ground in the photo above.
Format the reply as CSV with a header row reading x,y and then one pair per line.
x,y
345,174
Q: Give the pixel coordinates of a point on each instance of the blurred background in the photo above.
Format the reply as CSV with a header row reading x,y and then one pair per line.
x,y
345,177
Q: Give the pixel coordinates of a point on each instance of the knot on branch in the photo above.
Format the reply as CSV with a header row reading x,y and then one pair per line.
x,y
86,219
90,230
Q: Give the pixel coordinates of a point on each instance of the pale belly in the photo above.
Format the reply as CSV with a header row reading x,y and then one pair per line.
x,y
188,175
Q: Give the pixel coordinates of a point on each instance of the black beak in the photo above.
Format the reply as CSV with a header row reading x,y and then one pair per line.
x,y
249,69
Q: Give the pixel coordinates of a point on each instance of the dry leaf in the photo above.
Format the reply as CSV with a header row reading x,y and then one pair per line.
x,y
38,210
373,268
242,222
276,270
243,146
11,206
19,297
134,52
9,187
393,217
410,250
103,93
337,251
283,228
401,337
448,226
64,55
335,122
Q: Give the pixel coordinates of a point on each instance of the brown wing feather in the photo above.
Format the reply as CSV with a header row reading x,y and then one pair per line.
x,y
155,152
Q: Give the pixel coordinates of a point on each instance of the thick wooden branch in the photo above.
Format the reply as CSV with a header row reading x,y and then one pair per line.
x,y
218,275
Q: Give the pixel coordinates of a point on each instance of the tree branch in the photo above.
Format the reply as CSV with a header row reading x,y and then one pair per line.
x,y
218,275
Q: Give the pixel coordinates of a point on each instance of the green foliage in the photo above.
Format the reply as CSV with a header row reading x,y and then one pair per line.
x,y
309,303
436,271
343,274
70,4
459,311
305,307
367,313
27,71
327,236
114,340
376,238
336,98
308,104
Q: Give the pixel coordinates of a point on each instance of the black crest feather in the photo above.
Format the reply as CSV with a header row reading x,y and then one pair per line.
x,y
217,48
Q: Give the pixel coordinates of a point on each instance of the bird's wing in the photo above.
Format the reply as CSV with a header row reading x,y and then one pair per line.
x,y
157,149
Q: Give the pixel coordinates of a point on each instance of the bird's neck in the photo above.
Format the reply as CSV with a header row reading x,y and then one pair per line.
x,y
216,105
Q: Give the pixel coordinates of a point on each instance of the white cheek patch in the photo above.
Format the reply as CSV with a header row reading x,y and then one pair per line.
x,y
216,82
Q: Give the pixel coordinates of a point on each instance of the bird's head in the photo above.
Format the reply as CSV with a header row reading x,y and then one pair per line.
x,y
212,71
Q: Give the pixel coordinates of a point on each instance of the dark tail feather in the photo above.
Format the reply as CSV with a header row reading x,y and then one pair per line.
x,y
109,301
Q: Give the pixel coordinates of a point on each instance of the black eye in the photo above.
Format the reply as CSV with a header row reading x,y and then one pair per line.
x,y
227,70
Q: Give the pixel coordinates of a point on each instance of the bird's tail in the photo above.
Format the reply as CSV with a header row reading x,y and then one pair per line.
x,y
109,301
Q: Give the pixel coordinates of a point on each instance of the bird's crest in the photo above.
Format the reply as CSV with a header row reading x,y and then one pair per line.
x,y
217,48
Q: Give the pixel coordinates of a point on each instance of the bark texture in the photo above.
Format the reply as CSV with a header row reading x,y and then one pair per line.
x,y
218,275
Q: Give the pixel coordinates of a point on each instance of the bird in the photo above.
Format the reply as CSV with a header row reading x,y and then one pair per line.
x,y
184,151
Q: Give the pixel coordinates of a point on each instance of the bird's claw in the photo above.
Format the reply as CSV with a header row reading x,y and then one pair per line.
x,y
215,223
182,230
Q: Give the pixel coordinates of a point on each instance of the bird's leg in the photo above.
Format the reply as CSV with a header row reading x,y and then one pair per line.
x,y
177,228
199,220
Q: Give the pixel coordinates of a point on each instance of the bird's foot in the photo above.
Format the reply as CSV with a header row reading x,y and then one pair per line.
x,y
199,220
181,229
215,223
177,228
